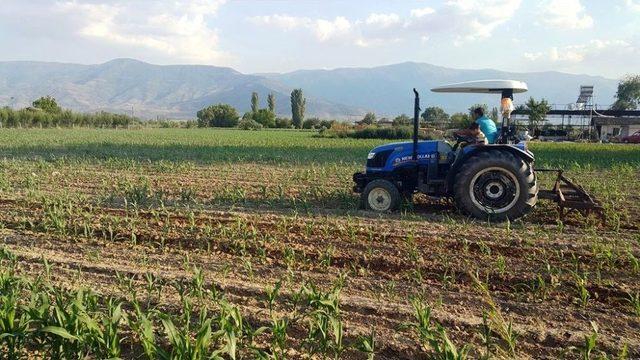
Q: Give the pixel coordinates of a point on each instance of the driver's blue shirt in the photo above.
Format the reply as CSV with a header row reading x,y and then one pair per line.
x,y
488,128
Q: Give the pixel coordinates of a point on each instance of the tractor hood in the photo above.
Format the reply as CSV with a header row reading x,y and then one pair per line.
x,y
394,146
401,153
424,146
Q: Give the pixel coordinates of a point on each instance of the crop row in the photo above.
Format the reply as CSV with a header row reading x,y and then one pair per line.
x,y
39,317
597,265
216,146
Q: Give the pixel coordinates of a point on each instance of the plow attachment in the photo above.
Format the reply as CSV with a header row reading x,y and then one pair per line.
x,y
570,196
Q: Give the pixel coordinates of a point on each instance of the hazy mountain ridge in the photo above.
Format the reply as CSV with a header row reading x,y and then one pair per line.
x,y
179,91
125,85
387,89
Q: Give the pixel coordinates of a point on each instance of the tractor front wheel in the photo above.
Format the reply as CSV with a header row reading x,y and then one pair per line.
x,y
496,185
380,196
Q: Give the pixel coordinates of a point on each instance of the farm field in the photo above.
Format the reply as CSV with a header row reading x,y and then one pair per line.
x,y
170,243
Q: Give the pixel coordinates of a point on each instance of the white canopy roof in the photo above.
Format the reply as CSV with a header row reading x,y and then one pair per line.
x,y
483,87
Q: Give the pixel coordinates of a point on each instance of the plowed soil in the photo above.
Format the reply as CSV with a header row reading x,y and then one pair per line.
x,y
250,225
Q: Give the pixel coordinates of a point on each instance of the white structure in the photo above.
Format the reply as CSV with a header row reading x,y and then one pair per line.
x,y
483,87
618,127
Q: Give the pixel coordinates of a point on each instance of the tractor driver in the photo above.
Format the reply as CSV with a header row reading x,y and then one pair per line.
x,y
481,125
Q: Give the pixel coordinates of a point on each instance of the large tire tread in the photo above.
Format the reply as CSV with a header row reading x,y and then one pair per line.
x,y
523,171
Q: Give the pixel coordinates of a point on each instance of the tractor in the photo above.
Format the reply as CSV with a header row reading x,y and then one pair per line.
x,y
494,182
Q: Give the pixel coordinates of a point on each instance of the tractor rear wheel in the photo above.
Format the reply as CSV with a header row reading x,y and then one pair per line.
x,y
381,196
496,185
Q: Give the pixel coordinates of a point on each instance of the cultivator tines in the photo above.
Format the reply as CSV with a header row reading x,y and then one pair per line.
x,y
570,196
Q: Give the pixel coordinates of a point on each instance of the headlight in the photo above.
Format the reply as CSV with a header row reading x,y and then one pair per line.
x,y
371,155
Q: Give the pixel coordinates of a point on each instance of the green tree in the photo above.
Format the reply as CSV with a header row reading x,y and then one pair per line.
x,y
249,124
47,104
298,103
537,112
265,117
402,120
460,121
495,115
484,107
283,123
311,123
327,124
221,115
369,119
628,94
254,102
271,102
435,116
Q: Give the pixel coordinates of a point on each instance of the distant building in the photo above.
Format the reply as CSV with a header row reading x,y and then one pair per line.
x,y
385,122
607,127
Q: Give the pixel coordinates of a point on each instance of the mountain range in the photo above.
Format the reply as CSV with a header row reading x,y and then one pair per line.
x,y
179,91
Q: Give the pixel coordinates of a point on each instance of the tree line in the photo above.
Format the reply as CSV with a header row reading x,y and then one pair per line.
x,y
45,112
225,115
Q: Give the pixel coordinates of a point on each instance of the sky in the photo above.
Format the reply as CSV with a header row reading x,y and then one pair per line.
x,y
593,37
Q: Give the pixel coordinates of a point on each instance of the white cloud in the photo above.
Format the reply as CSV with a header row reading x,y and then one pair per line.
x,y
485,16
608,57
284,22
633,5
177,29
329,29
465,20
422,12
569,54
565,14
323,30
383,20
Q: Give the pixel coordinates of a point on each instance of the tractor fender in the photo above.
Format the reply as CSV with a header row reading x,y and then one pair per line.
x,y
525,155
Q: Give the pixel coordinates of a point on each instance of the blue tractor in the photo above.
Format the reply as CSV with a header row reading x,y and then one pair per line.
x,y
486,181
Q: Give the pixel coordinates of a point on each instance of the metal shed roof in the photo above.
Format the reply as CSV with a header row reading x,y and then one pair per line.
x,y
616,121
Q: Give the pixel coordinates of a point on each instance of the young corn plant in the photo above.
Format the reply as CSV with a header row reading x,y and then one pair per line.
x,y
279,328
142,326
634,301
580,283
498,323
233,331
127,285
65,327
272,295
184,345
366,344
14,327
108,335
433,335
326,332
197,283
486,336
56,216
153,284
590,342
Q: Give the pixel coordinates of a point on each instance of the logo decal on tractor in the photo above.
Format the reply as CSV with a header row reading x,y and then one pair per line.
x,y
408,158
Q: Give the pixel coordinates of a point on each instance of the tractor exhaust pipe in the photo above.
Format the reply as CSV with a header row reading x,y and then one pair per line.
x,y
416,119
